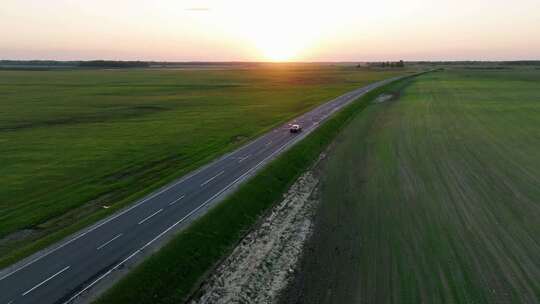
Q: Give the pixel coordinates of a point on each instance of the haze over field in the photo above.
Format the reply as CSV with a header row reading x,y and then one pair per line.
x,y
279,30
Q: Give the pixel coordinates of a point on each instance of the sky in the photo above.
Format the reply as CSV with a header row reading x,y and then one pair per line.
x,y
274,30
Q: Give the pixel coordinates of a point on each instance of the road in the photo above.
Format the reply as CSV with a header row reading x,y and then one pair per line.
x,y
71,267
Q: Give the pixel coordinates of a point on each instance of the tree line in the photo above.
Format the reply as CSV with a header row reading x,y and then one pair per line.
x,y
114,64
388,64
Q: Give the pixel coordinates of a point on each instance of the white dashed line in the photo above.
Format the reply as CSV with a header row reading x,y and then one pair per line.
x,y
151,215
92,228
211,179
47,280
176,200
244,158
109,241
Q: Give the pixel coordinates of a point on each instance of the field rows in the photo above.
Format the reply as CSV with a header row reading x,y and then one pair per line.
x,y
433,197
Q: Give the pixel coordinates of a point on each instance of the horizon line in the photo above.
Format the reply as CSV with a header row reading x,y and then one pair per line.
x,y
262,61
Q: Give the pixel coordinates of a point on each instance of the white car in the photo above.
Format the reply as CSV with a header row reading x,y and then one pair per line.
x,y
295,128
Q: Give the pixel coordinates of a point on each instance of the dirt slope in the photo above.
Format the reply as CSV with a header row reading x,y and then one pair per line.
x,y
261,265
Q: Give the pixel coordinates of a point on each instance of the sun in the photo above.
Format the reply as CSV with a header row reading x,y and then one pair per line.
x,y
278,54
285,39
278,44
273,30
277,50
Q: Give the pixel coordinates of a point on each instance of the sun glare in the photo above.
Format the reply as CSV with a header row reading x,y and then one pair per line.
x,y
277,53
277,48
274,30
281,41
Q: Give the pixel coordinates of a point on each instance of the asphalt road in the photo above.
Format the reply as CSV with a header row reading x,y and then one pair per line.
x,y
71,267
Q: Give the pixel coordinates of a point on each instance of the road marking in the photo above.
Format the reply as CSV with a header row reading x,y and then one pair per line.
x,y
244,158
89,230
181,220
122,212
269,143
110,241
176,200
47,280
151,215
212,178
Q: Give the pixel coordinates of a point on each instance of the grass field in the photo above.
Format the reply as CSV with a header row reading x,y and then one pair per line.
x,y
433,197
74,141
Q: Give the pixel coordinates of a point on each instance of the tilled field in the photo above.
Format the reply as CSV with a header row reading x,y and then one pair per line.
x,y
432,197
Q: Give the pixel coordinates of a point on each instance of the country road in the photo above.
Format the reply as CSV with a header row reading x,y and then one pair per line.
x,y
69,268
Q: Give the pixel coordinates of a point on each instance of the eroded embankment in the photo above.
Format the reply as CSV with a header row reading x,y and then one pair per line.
x,y
261,265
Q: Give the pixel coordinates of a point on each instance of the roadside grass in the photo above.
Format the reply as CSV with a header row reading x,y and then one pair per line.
x,y
170,275
433,198
76,141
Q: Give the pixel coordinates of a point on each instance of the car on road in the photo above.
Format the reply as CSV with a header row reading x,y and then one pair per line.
x,y
295,128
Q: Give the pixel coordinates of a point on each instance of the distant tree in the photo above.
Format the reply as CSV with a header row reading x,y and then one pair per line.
x,y
114,64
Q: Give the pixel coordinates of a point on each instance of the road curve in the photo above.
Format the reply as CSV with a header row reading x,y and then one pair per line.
x,y
74,265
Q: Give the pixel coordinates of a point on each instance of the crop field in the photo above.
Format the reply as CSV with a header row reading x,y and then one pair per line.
x,y
432,197
79,144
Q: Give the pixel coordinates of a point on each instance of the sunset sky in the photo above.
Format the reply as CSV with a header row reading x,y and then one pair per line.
x,y
227,30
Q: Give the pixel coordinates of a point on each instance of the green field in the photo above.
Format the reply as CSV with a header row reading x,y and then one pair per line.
x,y
75,141
433,197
